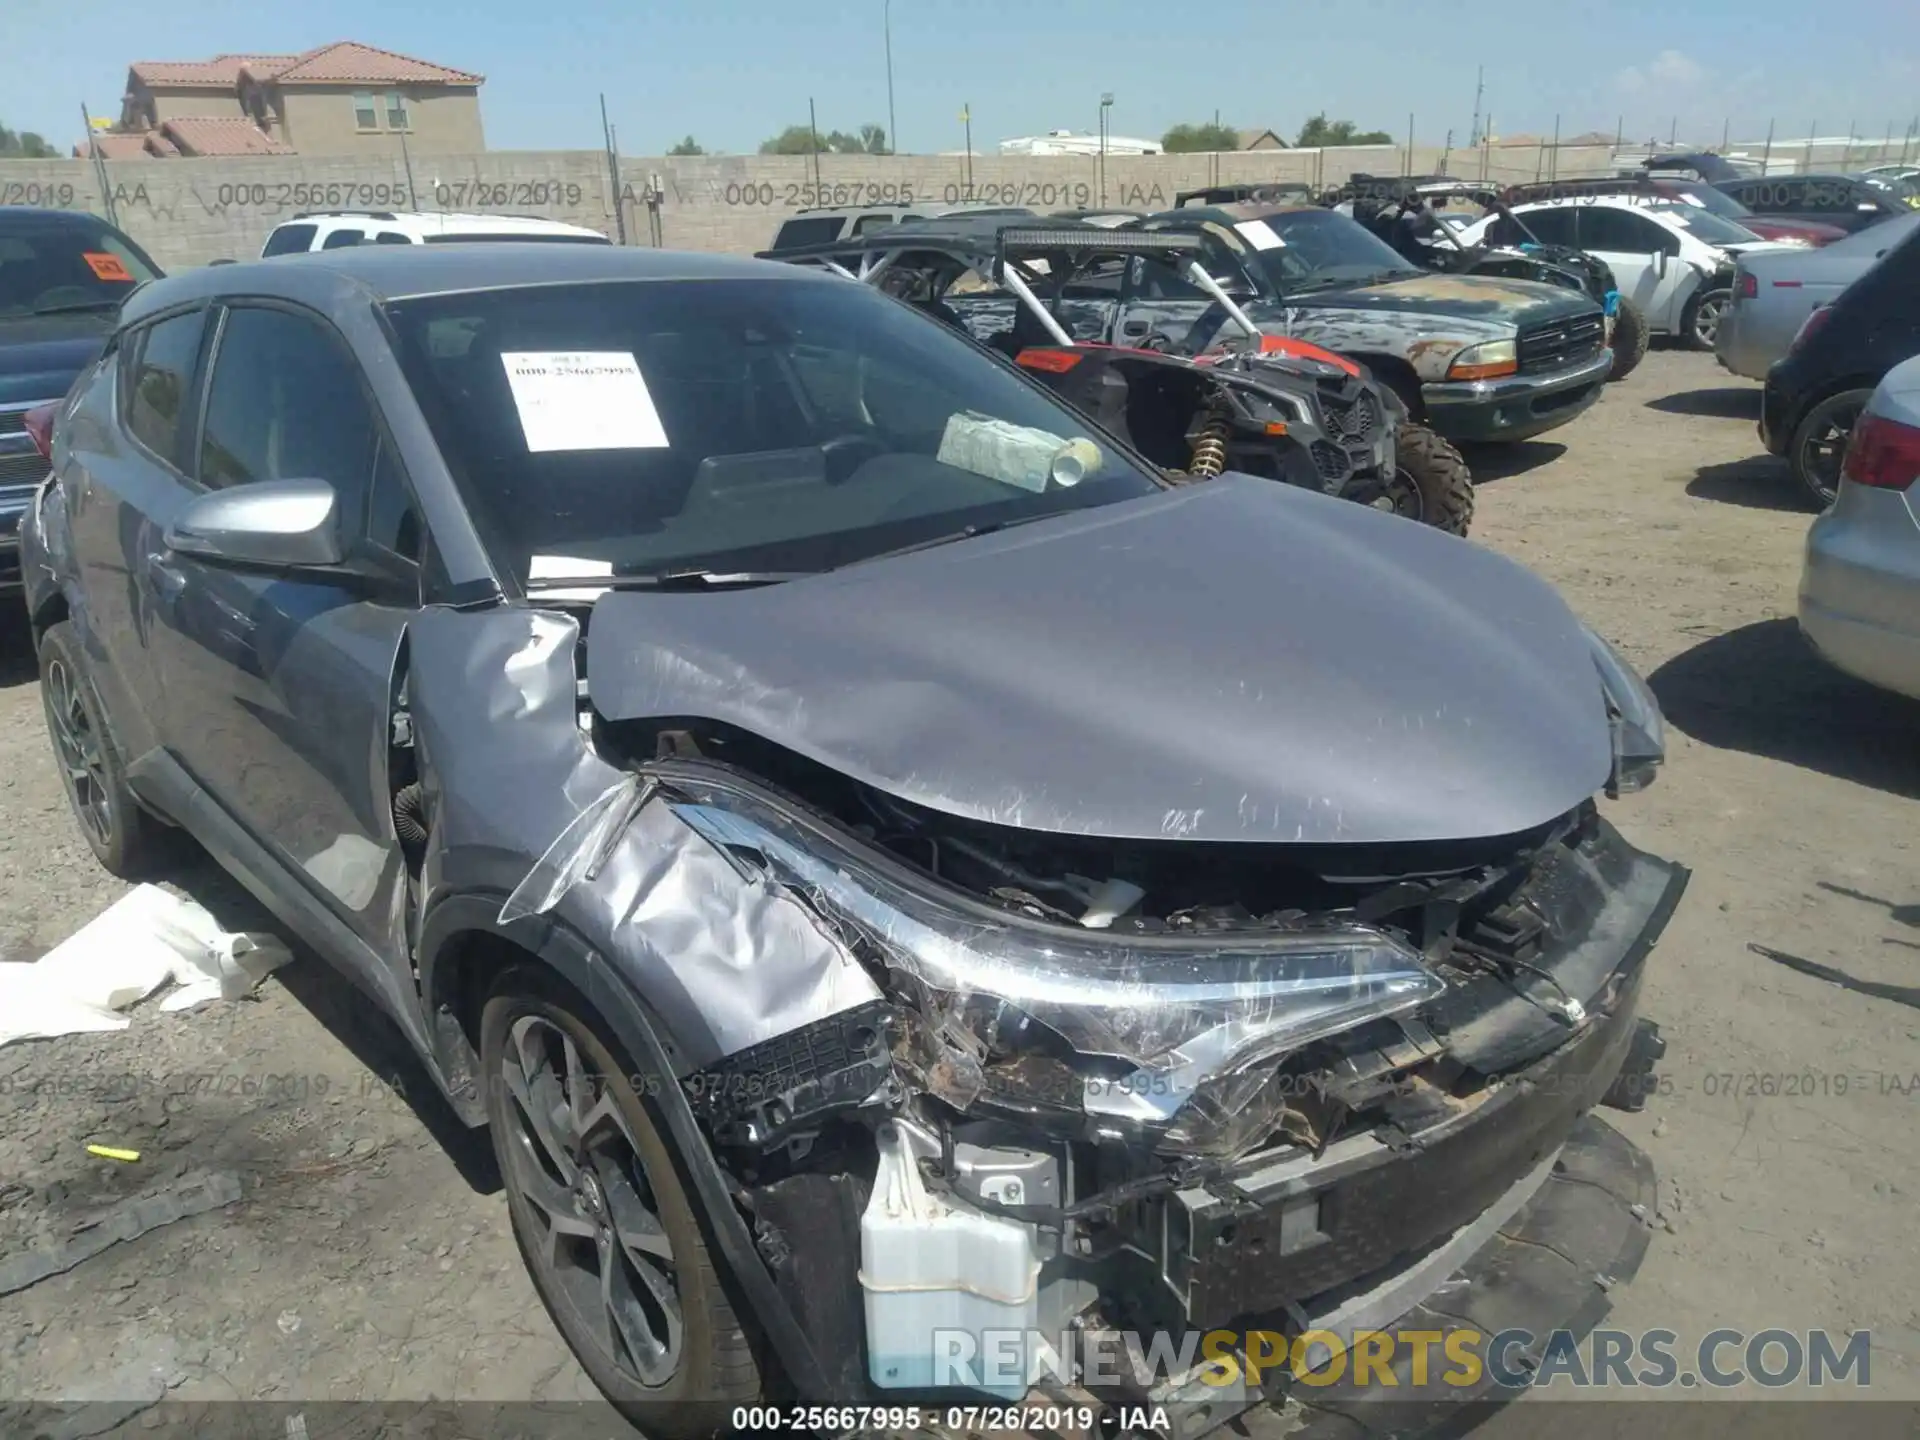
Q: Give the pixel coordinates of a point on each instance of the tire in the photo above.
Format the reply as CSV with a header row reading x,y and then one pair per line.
x,y
684,1388
1435,472
126,840
1701,320
1820,441
1629,340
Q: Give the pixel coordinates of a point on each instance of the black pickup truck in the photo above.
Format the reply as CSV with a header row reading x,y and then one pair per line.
x,y
63,276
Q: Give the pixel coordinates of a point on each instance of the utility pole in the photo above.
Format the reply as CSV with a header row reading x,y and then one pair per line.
x,y
1766,156
613,172
1409,169
1553,165
1846,152
966,154
1806,159
813,128
1106,104
1479,91
99,168
886,28
1673,133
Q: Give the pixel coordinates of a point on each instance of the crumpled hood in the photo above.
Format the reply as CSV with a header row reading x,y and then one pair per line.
x,y
1238,660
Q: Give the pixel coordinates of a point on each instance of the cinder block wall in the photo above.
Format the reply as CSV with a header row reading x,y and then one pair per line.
x,y
188,212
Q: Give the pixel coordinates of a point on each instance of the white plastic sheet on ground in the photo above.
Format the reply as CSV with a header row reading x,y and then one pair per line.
x,y
146,940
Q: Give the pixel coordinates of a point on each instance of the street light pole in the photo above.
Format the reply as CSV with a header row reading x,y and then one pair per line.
x,y
886,27
1106,104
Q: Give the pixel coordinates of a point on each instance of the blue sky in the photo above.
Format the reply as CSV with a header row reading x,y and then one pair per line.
x,y
732,72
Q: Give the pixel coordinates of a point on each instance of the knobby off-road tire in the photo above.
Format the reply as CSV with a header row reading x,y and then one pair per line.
x,y
126,840
1629,340
1438,474
561,1107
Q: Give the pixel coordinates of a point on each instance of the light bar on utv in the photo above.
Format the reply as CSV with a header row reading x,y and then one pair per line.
x,y
1093,237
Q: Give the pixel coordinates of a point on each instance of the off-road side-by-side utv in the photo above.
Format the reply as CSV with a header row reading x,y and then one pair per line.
x,y
1404,211
1046,297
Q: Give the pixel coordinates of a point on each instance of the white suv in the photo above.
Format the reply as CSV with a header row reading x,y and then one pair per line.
x,y
1673,261
333,229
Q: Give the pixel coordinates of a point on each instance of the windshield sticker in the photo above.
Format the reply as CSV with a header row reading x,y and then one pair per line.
x,y
1262,235
107,267
583,400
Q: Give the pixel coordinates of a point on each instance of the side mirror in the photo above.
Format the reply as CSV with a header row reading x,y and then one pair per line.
x,y
274,524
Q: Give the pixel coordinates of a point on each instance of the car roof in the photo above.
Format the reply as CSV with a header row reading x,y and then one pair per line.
x,y
981,237
439,222
21,217
1230,215
377,273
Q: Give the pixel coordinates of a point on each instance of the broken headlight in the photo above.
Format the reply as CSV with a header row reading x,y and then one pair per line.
x,y
1633,715
1160,1018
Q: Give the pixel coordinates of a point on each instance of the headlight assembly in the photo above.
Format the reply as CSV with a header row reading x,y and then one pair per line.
x,y
1639,731
1487,361
1170,1014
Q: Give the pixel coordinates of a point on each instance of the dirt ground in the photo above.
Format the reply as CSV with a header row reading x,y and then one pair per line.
x,y
370,1257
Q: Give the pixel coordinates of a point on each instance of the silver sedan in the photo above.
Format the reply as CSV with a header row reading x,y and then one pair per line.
x,y
1860,586
1775,290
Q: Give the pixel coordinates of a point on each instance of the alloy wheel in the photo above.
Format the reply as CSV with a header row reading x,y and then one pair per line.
x,y
572,1157
77,744
1706,318
1823,450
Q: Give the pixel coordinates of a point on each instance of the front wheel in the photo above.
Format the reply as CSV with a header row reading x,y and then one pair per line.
x,y
1431,482
602,1218
1629,340
1819,446
1701,322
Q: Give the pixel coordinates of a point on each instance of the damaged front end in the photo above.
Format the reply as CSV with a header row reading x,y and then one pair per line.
x,y
1075,1085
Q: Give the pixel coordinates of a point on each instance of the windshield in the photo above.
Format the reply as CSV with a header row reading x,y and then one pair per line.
x,y
1705,225
1298,250
1718,202
49,267
780,425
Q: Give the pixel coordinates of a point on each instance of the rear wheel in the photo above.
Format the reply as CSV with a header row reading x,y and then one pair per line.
x,y
1629,340
124,838
1431,482
1819,445
601,1216
1701,322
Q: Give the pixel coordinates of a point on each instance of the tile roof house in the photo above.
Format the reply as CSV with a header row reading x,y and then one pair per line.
x,y
1261,140
340,99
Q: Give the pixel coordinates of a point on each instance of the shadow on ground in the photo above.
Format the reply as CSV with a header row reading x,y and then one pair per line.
x,y
353,1019
18,664
1502,462
1760,482
1762,690
1723,402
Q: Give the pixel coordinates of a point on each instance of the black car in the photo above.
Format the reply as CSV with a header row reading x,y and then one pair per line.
x,y
63,275
1818,388
1844,200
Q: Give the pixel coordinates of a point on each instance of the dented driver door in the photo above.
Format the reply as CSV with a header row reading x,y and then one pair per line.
x,y
277,683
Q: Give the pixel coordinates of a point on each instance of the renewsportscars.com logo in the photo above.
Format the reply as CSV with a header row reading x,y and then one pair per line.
x,y
1388,1359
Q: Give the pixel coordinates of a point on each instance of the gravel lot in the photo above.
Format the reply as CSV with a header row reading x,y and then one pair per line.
x,y
371,1259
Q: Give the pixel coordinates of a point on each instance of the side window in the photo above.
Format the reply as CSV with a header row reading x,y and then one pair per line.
x,y
809,230
1552,226
392,237
1621,231
392,522
160,379
872,222
290,240
1504,232
1152,278
341,238
286,403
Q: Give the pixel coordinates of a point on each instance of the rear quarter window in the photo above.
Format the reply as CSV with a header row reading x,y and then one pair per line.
x,y
161,362
290,240
810,230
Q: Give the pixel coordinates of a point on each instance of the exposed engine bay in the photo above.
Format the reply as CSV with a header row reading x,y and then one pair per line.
x,y
1151,1159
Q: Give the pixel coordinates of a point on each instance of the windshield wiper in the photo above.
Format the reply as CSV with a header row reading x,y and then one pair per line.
x,y
965,532
689,579
76,307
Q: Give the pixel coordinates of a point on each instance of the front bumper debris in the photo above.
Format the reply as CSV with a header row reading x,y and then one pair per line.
x,y
1516,407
